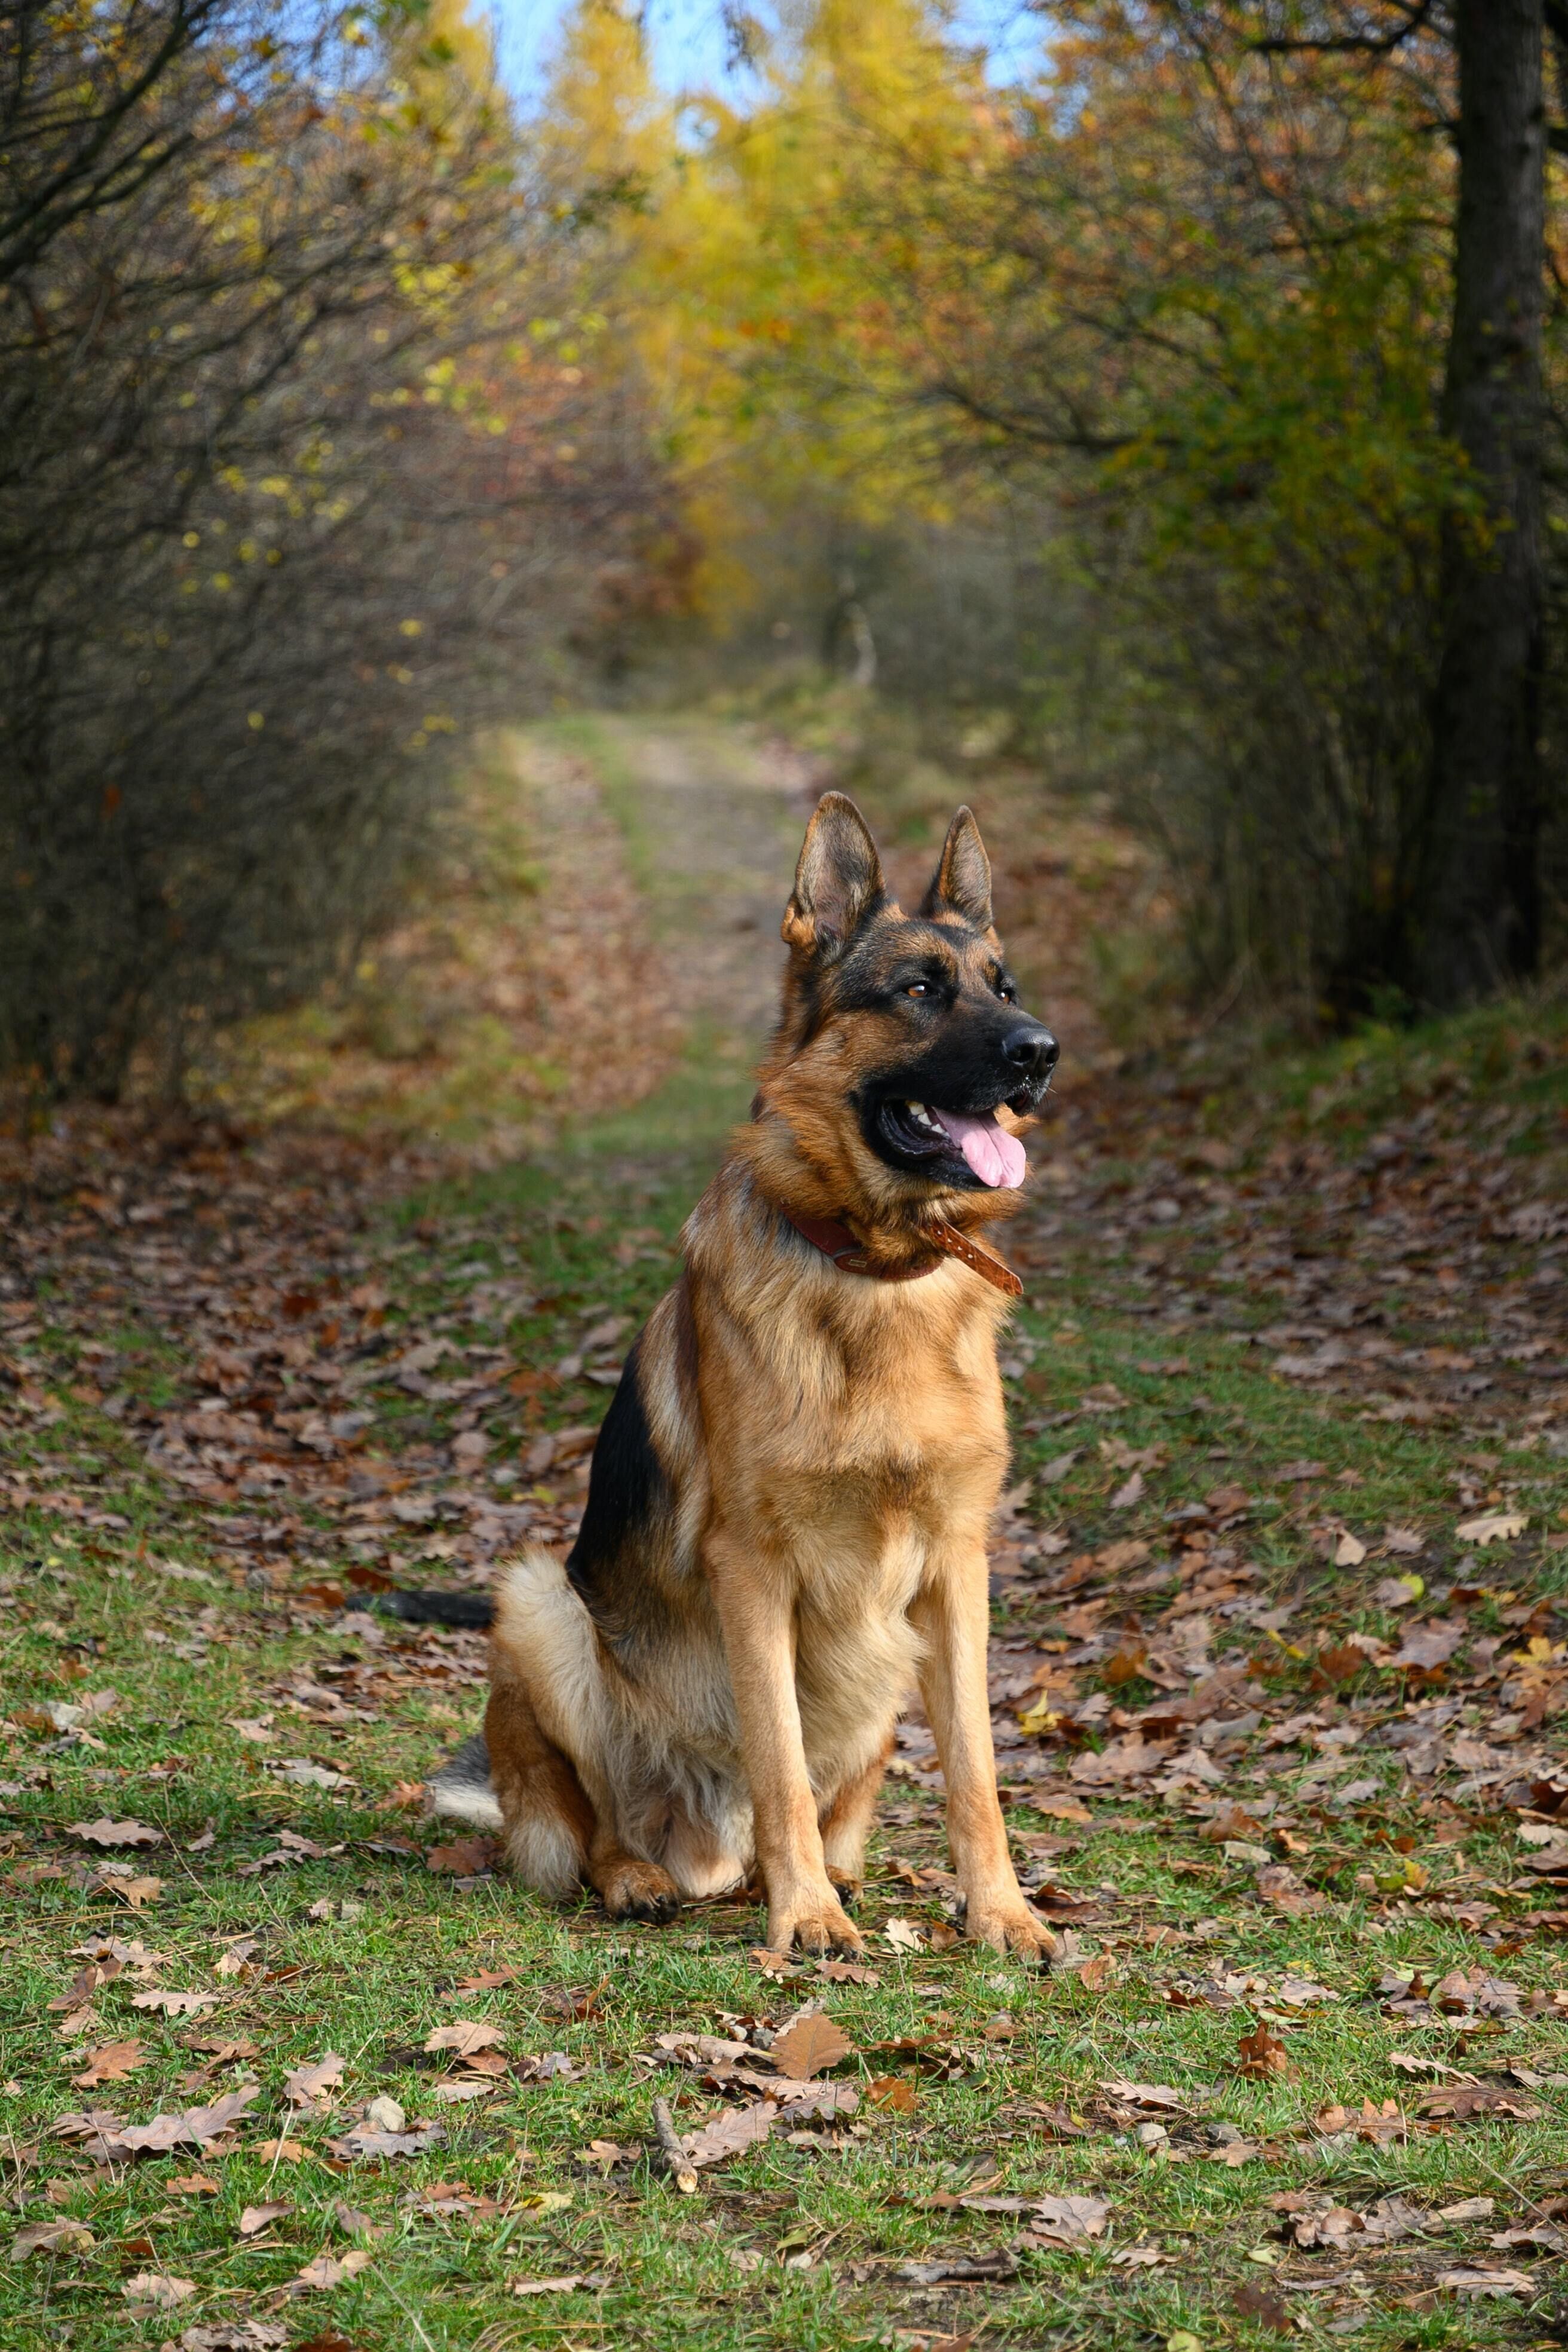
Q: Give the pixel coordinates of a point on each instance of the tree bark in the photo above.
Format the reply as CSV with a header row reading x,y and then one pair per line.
x,y
1480,923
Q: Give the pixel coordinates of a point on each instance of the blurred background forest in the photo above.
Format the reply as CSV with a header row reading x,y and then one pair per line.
x,y
1163,409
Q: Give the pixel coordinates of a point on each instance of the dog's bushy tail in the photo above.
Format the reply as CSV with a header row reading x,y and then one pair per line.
x,y
472,1608
461,1789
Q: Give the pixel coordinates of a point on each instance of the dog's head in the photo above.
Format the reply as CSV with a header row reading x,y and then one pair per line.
x,y
904,1065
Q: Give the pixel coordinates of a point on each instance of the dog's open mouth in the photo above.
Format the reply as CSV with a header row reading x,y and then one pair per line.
x,y
923,1133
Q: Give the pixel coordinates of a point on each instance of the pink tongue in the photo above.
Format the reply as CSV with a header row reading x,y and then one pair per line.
x,y
996,1157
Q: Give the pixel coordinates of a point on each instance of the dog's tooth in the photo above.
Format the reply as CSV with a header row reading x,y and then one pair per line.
x,y
919,1110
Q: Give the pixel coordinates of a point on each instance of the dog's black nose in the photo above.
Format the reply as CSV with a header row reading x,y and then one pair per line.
x,y
1031,1049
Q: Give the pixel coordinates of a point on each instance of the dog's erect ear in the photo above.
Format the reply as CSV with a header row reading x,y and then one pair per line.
x,y
838,881
961,883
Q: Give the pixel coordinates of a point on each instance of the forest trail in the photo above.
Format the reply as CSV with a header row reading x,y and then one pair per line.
x,y
713,819
1278,1672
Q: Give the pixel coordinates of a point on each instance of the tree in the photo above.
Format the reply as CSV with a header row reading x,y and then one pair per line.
x,y
1482,917
305,469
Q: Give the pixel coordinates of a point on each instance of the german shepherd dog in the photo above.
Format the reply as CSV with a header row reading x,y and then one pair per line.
x,y
786,1518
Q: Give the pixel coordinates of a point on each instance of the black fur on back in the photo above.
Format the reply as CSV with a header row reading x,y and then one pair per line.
x,y
628,1494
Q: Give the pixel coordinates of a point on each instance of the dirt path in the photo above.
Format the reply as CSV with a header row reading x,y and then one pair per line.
x,y
714,820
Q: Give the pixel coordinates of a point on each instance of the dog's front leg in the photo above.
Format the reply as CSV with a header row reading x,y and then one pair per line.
x,y
753,1593
952,1610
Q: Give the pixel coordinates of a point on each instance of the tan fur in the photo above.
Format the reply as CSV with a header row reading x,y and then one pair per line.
x,y
831,1450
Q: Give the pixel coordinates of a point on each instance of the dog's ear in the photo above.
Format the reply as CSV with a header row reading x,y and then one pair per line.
x,y
961,883
838,883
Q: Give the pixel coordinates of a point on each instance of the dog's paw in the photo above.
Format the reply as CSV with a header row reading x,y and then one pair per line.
x,y
847,1889
817,1925
640,1890
1014,1930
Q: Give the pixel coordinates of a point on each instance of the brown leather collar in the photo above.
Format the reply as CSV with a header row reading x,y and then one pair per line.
x,y
836,1241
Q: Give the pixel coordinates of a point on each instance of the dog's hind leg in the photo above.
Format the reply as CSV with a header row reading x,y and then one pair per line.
x,y
555,1835
846,1823
549,1823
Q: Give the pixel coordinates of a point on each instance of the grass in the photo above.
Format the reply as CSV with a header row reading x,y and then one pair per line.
x,y
359,1950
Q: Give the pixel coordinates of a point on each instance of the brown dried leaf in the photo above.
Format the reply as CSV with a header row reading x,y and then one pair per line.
x,y
1067,2221
467,1857
155,2287
311,2084
328,2271
895,2093
811,2046
112,2063
51,2238
1263,2056
257,2218
173,2004
730,2132
465,2034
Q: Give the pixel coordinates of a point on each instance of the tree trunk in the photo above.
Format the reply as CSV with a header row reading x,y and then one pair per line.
x,y
1480,923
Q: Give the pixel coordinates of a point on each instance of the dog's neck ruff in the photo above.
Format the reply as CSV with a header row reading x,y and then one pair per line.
x,y
850,1256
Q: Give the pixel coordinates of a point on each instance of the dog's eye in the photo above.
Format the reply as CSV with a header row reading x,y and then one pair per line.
x,y
919,988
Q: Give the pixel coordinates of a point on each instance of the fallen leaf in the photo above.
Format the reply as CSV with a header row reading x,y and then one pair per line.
x,y
1477,2282
1283,1891
173,2004
904,1936
51,2238
1159,2095
895,2093
465,2034
1264,2057
112,2063
191,2184
104,1831
1492,1527
328,2271
1067,2221
312,2085
569,2285
1264,2308
361,2224
848,1972
467,1857
1349,1552
1461,2102
156,2287
730,2132
369,2145
1324,2224
257,2218
133,1891
810,2047
306,1775
110,2141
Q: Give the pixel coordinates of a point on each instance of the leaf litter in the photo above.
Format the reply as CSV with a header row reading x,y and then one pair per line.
x,y
1435,1713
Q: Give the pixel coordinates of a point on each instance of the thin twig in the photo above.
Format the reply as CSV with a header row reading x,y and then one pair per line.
x,y
675,2157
